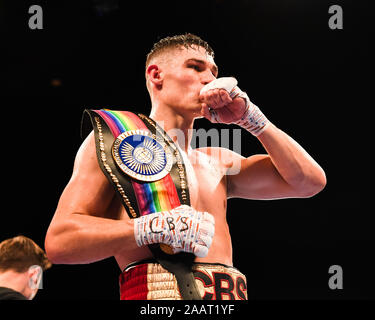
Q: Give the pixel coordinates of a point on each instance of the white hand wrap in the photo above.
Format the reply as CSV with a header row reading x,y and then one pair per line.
x,y
253,120
182,228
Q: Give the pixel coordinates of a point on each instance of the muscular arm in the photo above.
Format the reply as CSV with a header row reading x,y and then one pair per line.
x,y
287,171
84,229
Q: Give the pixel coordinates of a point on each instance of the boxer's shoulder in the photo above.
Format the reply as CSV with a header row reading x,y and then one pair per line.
x,y
86,151
86,169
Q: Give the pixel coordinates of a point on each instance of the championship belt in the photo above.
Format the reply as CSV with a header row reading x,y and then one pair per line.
x,y
146,169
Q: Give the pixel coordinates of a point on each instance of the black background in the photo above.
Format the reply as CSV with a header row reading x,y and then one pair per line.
x,y
310,81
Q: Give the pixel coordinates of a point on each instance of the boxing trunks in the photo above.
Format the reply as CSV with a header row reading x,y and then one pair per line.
x,y
148,280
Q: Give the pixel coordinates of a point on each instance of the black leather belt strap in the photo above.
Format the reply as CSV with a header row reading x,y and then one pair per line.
x,y
179,264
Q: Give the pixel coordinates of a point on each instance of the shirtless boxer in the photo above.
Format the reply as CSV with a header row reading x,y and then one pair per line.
x,y
91,224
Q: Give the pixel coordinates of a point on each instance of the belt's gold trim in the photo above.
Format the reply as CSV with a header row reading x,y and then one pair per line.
x,y
103,157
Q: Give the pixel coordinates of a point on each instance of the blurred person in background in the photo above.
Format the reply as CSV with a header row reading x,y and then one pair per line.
x,y
22,263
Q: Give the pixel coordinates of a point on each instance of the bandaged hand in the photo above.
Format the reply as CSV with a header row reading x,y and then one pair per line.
x,y
182,228
224,102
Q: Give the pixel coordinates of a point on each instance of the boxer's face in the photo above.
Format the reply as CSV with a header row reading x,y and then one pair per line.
x,y
184,74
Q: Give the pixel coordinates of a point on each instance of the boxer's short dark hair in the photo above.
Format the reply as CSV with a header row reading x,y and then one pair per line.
x,y
186,40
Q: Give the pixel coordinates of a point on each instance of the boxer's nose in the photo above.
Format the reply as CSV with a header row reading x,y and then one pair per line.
x,y
207,77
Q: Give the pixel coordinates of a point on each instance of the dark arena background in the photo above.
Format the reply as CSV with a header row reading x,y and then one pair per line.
x,y
311,81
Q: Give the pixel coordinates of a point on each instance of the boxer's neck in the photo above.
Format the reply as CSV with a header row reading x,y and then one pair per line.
x,y
178,127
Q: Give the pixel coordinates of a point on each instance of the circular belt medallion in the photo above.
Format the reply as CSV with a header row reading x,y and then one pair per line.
x,y
142,155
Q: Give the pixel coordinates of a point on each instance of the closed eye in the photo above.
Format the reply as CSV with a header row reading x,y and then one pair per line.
x,y
195,67
201,65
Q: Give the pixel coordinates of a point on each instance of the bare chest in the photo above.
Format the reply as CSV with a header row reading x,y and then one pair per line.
x,y
206,181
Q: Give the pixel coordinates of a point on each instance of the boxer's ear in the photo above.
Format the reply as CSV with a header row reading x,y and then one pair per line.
x,y
154,74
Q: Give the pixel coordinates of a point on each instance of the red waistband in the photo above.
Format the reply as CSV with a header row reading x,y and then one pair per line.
x,y
133,283
149,281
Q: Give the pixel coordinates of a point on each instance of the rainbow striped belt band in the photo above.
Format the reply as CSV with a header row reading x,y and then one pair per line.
x,y
151,197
